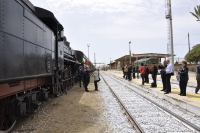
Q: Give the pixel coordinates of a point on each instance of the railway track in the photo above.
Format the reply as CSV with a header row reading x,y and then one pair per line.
x,y
145,114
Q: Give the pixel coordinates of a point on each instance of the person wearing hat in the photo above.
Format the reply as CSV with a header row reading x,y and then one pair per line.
x,y
154,72
86,78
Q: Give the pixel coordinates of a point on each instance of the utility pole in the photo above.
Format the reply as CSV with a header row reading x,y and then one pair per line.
x,y
110,65
189,41
170,46
94,60
130,51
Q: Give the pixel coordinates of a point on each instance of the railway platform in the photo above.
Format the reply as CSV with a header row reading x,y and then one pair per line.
x,y
191,102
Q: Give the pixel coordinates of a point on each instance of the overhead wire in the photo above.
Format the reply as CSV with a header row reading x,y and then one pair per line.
x,y
182,40
195,34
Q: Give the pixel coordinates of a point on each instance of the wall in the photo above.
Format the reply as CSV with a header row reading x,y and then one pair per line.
x,y
192,67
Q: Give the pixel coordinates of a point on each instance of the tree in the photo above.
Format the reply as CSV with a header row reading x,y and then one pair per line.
x,y
194,54
197,12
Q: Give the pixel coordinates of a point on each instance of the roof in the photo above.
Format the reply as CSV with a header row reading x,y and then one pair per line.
x,y
81,54
145,59
145,55
111,63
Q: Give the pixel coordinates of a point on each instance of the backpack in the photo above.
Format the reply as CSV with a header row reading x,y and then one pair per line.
x,y
80,73
125,70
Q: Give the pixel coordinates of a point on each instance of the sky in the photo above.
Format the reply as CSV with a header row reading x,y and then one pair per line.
x,y
109,25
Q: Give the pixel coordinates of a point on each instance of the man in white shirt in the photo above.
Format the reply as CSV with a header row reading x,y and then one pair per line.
x,y
168,71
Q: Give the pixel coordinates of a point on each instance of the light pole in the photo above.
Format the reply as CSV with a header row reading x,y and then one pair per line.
x,y
189,41
88,45
130,51
170,46
94,60
171,27
110,65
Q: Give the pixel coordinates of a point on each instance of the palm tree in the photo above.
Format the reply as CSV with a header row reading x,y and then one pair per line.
x,y
197,13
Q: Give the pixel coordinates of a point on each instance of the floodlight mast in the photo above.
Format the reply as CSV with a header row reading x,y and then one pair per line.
x,y
170,45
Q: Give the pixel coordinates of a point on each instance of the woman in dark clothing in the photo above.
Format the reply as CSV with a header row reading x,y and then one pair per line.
x,y
183,78
133,72
146,74
86,78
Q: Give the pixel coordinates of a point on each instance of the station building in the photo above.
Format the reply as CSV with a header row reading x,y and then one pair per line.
x,y
120,62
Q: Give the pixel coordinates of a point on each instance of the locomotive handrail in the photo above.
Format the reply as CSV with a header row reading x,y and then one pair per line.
x,y
71,61
68,79
64,70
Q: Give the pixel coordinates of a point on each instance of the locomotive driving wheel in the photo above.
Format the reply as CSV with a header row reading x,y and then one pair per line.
x,y
6,123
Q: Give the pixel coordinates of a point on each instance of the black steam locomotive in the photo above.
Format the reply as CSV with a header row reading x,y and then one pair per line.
x,y
36,60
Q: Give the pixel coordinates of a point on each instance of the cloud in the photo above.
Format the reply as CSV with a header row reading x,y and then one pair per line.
x,y
109,22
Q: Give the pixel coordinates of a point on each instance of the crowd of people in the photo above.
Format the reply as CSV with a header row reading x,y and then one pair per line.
x,y
166,71
129,72
84,78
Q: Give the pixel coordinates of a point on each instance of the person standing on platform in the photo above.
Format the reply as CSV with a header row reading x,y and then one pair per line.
x,y
129,72
162,74
198,78
137,70
183,78
123,71
80,75
99,75
96,79
86,78
133,72
154,72
142,72
168,74
146,74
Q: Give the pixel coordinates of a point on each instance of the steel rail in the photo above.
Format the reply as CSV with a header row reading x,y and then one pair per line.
x,y
165,109
131,118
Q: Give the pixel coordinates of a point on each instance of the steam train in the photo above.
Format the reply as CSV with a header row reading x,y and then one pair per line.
x,y
36,60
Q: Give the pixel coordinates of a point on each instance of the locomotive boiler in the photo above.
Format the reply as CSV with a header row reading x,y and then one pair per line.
x,y
36,60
